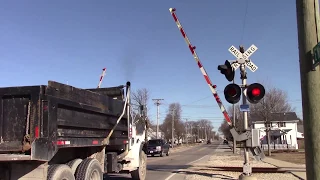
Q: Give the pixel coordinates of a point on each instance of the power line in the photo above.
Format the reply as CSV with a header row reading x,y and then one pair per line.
x,y
244,21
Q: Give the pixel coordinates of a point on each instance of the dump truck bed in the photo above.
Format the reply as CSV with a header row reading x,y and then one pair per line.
x,y
36,121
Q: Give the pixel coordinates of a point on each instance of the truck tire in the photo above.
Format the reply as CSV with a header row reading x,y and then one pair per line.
x,y
140,173
60,171
89,169
74,164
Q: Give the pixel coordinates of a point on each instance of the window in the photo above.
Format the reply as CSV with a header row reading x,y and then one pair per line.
x,y
281,124
155,142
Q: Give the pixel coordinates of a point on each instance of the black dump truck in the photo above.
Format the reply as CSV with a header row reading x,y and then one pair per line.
x,y
59,132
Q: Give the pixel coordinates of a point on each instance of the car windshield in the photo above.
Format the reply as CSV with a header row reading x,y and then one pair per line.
x,y
154,142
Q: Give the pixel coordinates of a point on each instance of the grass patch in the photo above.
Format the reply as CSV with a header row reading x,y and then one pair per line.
x,y
293,156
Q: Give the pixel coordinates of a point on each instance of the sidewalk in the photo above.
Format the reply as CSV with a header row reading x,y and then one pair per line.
x,y
296,169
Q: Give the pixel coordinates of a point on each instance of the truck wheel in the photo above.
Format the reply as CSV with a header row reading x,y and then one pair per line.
x,y
168,153
74,164
140,173
89,169
60,171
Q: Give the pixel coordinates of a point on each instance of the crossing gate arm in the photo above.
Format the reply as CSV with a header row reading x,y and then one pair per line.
x,y
203,71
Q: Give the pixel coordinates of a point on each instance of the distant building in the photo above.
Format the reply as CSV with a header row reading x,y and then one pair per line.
x,y
152,134
300,136
284,130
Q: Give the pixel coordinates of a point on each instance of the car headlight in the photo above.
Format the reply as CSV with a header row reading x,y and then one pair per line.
x,y
158,148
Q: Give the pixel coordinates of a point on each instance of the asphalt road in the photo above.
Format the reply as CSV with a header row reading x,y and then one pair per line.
x,y
166,168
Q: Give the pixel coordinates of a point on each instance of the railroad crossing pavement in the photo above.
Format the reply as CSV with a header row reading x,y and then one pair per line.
x,y
205,161
166,168
298,170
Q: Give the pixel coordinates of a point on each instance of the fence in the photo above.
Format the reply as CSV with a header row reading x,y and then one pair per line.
x,y
278,146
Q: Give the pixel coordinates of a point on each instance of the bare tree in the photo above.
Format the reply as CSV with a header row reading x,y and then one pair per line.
x,y
139,99
238,117
192,129
179,128
274,101
225,130
206,127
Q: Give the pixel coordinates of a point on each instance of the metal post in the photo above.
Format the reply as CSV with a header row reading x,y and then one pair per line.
x,y
247,169
234,122
245,120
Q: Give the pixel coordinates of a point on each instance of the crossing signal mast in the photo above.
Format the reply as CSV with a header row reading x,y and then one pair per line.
x,y
252,93
233,93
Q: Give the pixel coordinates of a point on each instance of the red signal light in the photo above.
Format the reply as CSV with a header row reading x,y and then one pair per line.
x,y
232,93
256,91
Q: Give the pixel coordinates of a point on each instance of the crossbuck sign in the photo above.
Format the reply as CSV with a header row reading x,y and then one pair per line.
x,y
243,57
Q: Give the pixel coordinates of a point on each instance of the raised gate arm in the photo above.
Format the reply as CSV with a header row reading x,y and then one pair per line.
x,y
203,71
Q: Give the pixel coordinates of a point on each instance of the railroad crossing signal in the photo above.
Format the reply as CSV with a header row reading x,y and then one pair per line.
x,y
243,57
227,70
232,93
255,92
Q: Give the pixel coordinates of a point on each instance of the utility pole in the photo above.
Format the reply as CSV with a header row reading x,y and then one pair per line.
x,y
157,103
234,122
191,130
172,126
308,37
198,133
187,131
205,132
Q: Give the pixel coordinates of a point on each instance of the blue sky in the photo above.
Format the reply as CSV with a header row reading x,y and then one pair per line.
x,y
71,41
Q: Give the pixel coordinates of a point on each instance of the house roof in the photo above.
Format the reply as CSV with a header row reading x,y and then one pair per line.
x,y
276,117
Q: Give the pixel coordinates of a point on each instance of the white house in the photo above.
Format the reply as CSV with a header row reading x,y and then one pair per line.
x,y
153,134
284,130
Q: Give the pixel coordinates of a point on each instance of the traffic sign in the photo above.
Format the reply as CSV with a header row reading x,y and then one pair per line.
x,y
250,51
244,108
235,65
234,51
251,66
316,55
244,57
